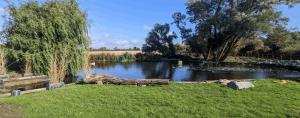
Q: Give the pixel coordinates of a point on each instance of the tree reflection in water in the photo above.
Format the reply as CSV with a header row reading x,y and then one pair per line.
x,y
160,70
189,72
150,70
111,65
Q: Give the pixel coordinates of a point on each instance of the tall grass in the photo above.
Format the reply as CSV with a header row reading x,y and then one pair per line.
x,y
28,67
86,63
118,53
58,66
52,73
2,61
63,64
126,57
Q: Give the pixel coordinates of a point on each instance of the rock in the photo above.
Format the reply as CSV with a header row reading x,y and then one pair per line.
x,y
240,85
99,83
16,93
180,63
142,85
284,81
52,86
223,81
93,64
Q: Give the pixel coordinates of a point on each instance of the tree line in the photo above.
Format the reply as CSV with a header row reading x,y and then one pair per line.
x,y
215,29
115,49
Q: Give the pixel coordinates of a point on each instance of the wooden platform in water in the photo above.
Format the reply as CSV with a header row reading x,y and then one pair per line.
x,y
24,83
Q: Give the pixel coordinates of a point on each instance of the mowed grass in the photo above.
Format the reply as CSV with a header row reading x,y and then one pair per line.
x,y
267,99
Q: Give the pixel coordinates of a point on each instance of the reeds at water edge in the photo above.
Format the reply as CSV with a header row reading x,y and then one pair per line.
x,y
2,61
86,63
28,67
58,66
52,71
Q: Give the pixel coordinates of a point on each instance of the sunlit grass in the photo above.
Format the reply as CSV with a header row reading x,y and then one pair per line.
x,y
267,99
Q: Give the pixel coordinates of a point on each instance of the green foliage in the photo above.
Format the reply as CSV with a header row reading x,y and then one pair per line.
x,y
3,91
14,74
218,25
180,48
250,46
292,44
160,40
267,99
126,57
281,44
103,49
102,57
278,39
37,30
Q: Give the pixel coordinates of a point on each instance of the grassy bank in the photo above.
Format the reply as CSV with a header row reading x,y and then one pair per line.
x,y
267,99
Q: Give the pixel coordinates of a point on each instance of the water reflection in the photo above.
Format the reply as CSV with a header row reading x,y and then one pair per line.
x,y
157,70
190,71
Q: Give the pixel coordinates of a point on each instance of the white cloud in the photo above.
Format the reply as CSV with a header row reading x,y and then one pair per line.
x,y
111,42
106,39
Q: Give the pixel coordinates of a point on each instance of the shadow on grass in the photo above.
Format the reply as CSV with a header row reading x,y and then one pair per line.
x,y
9,111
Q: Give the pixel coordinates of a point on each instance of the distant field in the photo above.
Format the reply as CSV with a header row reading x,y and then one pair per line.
x,y
115,52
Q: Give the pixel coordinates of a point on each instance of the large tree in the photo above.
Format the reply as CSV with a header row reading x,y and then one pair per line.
x,y
35,31
160,39
278,39
282,40
218,25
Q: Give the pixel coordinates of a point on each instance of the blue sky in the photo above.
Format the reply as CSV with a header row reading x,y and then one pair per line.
x,y
125,23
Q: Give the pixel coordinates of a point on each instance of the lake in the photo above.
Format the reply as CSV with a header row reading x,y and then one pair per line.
x,y
191,71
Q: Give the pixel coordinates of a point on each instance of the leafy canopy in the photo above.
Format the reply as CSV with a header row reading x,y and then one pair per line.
x,y
160,39
36,30
218,25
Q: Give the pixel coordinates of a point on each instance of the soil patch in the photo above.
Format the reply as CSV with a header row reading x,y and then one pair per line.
x,y
9,111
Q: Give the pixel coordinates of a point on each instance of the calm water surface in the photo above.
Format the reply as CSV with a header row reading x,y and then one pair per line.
x,y
190,72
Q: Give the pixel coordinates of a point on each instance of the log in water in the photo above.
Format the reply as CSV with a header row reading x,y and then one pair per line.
x,y
107,79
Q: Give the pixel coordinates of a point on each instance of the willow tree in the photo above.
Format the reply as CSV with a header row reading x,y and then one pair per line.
x,y
218,25
35,31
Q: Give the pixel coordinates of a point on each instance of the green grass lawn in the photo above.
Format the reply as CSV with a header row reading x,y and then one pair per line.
x,y
267,99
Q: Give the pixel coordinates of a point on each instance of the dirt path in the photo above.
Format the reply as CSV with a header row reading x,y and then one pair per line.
x,y
9,111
